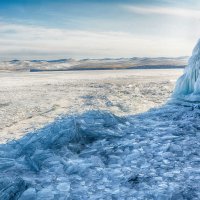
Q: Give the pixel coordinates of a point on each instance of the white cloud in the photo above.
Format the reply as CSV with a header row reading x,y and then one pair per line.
x,y
26,41
172,11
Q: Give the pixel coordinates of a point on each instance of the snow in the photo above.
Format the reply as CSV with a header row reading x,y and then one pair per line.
x,y
98,155
109,63
29,101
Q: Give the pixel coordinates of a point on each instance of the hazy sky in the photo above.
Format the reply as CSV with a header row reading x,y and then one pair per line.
x,y
42,29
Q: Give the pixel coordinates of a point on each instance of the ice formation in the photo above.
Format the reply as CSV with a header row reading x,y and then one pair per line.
x,y
188,85
97,155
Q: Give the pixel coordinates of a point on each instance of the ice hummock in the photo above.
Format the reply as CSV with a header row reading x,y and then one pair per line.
x,y
188,85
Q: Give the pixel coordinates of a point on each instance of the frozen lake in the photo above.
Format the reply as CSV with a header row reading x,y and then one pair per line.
x,y
97,155
30,100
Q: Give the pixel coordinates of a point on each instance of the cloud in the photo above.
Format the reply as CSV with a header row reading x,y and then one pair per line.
x,y
171,11
27,41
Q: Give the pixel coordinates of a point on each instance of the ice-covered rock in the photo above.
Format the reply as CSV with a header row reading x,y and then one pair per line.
x,y
188,85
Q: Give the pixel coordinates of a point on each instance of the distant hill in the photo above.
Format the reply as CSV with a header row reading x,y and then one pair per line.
x,y
94,64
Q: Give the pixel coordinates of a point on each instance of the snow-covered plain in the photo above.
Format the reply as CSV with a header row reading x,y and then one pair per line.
x,y
98,155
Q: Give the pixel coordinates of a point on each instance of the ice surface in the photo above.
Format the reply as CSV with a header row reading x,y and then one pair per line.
x,y
98,155
188,85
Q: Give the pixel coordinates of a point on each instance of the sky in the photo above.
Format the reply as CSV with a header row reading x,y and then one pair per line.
x,y
52,29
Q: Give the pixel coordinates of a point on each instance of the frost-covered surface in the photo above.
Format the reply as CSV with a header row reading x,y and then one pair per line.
x,y
97,155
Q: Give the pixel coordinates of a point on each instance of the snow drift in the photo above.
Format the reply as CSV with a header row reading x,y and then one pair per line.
x,y
97,155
